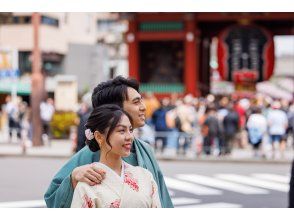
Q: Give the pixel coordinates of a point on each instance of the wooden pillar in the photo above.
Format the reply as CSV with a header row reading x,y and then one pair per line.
x,y
133,49
37,86
191,57
204,66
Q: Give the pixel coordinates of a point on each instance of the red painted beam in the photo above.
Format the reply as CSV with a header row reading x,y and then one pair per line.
x,y
216,16
233,16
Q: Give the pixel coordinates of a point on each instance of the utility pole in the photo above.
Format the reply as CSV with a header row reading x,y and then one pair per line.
x,y
37,88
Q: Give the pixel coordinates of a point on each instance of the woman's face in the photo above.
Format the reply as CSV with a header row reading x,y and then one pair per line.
x,y
121,138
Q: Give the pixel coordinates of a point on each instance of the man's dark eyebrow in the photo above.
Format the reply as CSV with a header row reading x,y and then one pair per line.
x,y
137,98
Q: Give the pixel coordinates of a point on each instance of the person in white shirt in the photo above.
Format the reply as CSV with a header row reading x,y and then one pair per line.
x,y
46,111
277,125
12,111
257,126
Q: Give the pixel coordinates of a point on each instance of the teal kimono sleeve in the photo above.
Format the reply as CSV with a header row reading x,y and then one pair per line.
x,y
146,159
60,191
164,194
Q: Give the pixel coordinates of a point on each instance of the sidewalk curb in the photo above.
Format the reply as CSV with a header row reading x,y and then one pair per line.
x,y
217,160
37,156
167,159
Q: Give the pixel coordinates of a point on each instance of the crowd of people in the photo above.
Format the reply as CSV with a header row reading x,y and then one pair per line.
x,y
215,125
17,115
211,125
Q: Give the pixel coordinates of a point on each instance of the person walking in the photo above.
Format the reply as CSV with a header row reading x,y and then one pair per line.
x,y
230,129
46,111
257,127
211,132
277,124
160,125
12,111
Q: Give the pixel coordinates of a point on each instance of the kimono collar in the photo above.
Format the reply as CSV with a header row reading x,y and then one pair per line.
x,y
121,177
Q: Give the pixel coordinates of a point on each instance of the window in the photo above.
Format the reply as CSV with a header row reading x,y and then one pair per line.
x,y
112,26
22,20
52,68
105,25
25,64
49,21
52,63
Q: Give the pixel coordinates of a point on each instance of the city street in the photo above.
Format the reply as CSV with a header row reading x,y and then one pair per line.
x,y
192,184
211,93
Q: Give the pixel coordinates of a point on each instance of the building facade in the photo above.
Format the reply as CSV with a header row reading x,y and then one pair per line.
x,y
171,52
87,45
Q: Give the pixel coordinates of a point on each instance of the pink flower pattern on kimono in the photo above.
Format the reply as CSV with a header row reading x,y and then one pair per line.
x,y
115,204
152,194
153,189
132,182
87,202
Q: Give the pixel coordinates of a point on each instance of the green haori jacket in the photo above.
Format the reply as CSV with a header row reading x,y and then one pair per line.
x,y
60,192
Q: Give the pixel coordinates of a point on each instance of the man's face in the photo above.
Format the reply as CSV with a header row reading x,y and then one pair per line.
x,y
135,107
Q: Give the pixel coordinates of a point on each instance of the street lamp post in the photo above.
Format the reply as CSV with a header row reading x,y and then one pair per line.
x,y
37,88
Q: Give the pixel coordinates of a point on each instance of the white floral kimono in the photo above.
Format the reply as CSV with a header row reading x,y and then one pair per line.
x,y
135,188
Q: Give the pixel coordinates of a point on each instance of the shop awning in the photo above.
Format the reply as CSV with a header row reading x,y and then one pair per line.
x,y
22,88
275,90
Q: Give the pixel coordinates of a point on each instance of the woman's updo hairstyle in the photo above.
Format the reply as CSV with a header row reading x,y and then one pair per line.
x,y
103,118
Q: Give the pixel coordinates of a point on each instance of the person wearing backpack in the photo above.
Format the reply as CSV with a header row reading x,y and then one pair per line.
x,y
257,127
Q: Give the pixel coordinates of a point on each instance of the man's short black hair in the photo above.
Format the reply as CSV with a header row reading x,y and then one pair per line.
x,y
113,91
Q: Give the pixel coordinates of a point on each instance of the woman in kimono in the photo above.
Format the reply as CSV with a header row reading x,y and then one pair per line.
x,y
109,130
124,93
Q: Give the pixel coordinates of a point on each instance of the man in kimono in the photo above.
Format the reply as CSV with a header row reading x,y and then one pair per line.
x,y
80,168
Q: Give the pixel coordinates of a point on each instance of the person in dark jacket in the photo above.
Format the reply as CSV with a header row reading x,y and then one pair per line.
x,y
83,114
159,122
211,138
230,128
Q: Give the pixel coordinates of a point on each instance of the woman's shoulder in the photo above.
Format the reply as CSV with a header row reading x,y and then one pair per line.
x,y
84,187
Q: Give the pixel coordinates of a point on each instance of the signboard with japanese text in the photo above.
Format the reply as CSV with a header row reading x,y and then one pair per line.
x,y
66,93
8,63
